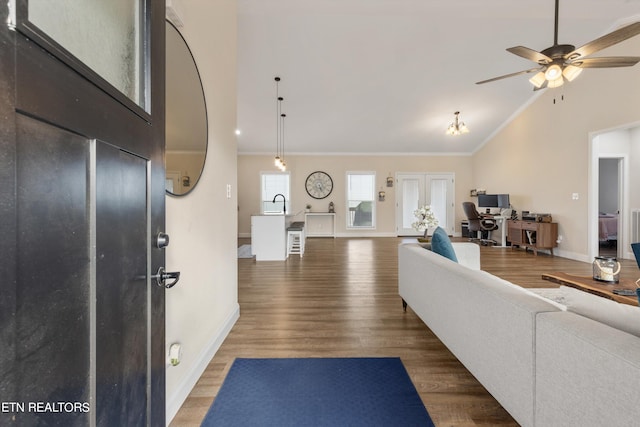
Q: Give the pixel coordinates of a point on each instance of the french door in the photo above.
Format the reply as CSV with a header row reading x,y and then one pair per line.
x,y
419,189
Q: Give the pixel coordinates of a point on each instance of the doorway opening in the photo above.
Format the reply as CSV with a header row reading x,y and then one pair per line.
x,y
614,165
610,182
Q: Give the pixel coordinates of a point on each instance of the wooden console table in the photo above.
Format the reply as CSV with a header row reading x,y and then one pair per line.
x,y
595,287
534,235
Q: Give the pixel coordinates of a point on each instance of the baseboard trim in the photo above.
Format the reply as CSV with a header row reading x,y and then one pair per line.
x,y
362,233
352,234
175,401
566,254
572,255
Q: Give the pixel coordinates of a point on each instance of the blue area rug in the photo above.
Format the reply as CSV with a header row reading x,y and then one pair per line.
x,y
317,392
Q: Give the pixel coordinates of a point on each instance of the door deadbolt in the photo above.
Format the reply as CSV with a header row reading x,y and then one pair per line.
x,y
166,279
162,241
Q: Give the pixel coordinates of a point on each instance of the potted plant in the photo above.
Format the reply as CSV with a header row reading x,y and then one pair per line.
x,y
426,221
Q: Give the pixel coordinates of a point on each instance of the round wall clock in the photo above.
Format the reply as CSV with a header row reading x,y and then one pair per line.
x,y
319,185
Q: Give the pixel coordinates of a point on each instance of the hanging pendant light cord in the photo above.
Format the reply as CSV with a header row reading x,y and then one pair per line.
x,y
282,136
279,159
277,79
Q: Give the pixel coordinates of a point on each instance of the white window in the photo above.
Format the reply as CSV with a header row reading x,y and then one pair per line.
x,y
361,207
275,192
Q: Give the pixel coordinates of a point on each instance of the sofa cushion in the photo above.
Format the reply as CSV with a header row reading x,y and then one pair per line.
x,y
620,316
441,244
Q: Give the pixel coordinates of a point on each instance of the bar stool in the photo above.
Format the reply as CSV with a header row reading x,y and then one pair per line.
x,y
295,239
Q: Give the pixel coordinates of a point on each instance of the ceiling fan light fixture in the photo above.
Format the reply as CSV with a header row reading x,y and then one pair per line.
x,y
553,72
538,80
570,72
556,83
558,60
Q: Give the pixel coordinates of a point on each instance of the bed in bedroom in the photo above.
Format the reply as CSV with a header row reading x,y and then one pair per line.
x,y
608,227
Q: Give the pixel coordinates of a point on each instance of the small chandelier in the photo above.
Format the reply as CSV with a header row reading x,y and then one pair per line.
x,y
457,127
279,159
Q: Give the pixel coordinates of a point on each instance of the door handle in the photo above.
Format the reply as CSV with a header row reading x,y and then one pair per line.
x,y
166,279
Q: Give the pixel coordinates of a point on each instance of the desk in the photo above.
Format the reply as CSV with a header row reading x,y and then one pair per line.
x,y
533,235
315,221
503,229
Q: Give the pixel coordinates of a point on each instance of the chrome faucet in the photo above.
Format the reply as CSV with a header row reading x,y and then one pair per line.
x,y
284,204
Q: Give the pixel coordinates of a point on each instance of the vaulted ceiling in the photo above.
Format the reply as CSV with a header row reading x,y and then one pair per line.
x,y
386,76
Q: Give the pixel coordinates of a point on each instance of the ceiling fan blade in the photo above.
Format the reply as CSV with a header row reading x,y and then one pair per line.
x,y
606,62
530,54
607,40
510,75
544,86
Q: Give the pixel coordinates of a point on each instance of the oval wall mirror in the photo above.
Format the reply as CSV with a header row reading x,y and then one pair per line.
x,y
186,117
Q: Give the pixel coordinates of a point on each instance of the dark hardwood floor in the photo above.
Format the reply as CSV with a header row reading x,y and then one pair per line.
x,y
341,300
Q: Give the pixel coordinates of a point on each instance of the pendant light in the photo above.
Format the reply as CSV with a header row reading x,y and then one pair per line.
x,y
276,160
283,165
457,127
279,158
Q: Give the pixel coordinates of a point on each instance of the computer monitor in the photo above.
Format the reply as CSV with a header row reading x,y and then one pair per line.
x,y
488,201
503,201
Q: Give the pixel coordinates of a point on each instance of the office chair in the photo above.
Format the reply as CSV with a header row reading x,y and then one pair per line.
x,y
479,224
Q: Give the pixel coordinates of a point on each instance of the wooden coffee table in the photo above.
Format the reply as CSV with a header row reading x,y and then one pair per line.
x,y
595,287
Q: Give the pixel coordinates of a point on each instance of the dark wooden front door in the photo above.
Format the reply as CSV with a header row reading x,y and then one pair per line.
x,y
81,204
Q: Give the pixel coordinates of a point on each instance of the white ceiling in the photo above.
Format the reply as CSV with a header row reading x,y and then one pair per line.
x,y
385,76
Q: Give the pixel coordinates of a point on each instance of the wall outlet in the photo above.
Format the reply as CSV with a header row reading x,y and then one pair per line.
x,y
175,354
228,191
575,196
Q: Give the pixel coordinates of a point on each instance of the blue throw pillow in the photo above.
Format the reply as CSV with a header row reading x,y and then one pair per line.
x,y
441,244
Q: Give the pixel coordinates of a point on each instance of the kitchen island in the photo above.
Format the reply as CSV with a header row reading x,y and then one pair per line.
x,y
269,236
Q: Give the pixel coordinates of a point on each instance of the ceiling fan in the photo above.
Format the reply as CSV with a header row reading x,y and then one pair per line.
x,y
562,62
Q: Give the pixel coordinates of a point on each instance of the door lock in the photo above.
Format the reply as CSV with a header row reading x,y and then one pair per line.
x,y
162,241
162,278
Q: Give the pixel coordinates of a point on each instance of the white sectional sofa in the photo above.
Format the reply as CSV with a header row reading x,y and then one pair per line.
x,y
546,366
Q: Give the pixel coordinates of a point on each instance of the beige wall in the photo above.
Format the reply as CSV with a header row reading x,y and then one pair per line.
x,y
543,156
202,225
250,166
634,173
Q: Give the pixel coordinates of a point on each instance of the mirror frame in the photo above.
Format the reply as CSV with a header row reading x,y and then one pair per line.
x,y
194,180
